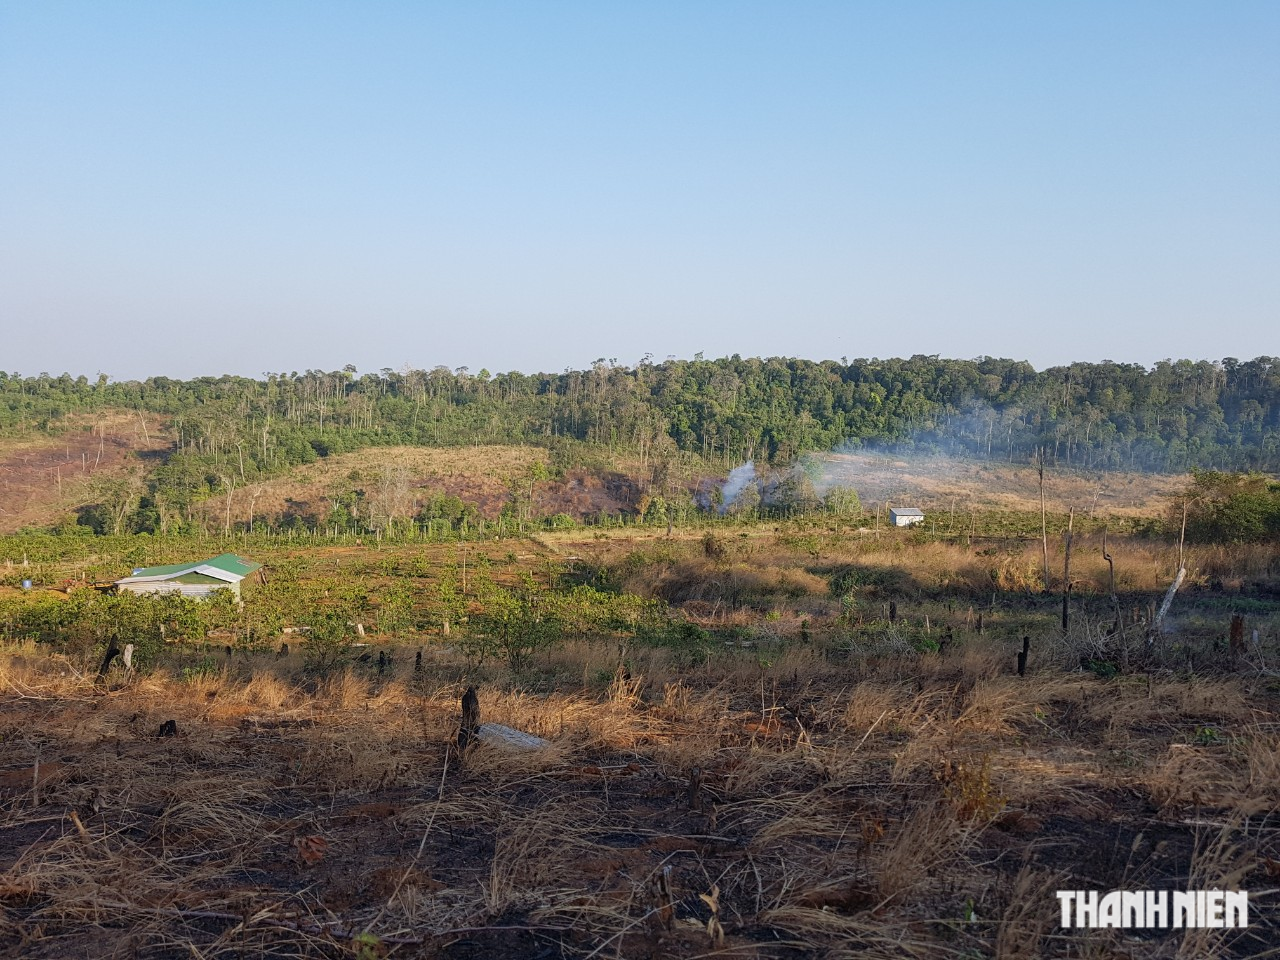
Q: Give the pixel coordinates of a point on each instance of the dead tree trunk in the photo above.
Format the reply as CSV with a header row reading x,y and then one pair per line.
x,y
1237,635
1044,530
113,651
1115,602
1066,572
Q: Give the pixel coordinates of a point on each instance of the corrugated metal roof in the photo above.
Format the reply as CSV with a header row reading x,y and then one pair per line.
x,y
163,571
194,577
231,566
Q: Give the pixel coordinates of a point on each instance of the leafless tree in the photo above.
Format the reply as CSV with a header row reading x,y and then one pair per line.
x,y
393,496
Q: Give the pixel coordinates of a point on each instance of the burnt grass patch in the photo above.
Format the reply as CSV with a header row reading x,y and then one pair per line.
x,y
924,806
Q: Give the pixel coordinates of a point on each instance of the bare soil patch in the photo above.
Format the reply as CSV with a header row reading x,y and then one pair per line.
x,y
42,480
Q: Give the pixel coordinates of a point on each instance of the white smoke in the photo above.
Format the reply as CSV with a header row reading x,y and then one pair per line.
x,y
739,478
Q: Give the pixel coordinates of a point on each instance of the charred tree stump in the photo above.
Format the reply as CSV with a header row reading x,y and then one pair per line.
x,y
382,662
1237,635
113,651
663,911
168,729
417,662
893,611
1118,633
470,725
1022,657
694,795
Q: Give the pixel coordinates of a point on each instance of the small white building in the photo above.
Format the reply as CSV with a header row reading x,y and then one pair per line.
x,y
199,579
905,516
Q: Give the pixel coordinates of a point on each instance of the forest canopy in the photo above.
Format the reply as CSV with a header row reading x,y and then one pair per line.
x,y
1175,416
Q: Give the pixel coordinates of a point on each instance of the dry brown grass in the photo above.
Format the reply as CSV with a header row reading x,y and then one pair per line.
x,y
917,805
483,472
940,482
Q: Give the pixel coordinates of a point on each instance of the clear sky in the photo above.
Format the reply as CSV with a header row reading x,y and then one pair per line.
x,y
199,188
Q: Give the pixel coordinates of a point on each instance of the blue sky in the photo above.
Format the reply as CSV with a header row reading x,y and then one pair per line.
x,y
192,189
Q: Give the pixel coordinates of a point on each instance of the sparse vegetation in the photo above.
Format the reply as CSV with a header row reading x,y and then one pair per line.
x,y
885,787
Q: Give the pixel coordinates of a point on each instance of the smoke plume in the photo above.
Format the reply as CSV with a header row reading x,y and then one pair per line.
x,y
739,479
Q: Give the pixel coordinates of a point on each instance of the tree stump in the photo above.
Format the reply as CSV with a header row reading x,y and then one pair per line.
x,y
695,789
471,730
1237,635
113,651
470,719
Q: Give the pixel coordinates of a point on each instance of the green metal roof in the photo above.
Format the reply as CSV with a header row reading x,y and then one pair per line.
x,y
199,578
162,571
224,561
232,564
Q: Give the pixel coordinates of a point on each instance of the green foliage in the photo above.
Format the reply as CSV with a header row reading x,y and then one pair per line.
x,y
795,494
843,501
204,667
87,620
511,625
1232,507
329,642
395,609
1103,668
450,509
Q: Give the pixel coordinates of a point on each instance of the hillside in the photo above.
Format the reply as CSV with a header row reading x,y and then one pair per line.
x,y
944,483
366,490
1170,418
44,479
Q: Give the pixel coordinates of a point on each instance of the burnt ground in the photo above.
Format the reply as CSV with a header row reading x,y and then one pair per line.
x,y
896,810
42,480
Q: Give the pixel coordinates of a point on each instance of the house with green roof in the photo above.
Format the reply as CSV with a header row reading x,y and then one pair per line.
x,y
197,579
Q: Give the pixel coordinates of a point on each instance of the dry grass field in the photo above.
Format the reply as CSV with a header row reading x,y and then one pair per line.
x,y
807,779
481,475
833,757
944,482
917,807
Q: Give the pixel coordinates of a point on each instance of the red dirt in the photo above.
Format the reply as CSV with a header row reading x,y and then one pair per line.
x,y
43,480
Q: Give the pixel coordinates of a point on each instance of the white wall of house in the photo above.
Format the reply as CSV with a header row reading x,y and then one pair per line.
x,y
198,590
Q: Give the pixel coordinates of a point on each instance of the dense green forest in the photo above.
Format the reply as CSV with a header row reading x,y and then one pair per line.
x,y
1172,417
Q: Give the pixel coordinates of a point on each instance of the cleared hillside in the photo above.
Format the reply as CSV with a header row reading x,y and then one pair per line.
x,y
44,479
